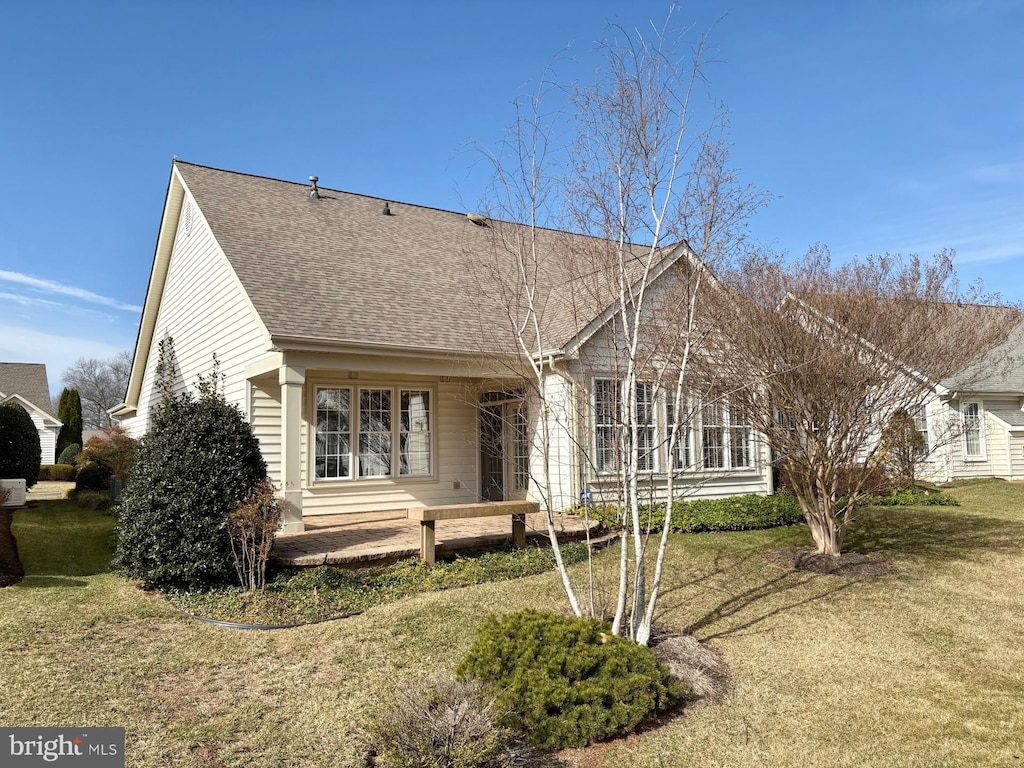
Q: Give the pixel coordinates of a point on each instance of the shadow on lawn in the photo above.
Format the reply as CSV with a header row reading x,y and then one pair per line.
x,y
760,602
932,534
47,582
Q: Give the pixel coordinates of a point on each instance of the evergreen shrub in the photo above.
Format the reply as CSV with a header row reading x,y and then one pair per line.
x,y
69,412
94,500
199,458
20,451
92,477
565,681
62,472
67,456
737,513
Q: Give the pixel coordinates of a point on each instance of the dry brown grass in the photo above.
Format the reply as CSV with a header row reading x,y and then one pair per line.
x,y
921,668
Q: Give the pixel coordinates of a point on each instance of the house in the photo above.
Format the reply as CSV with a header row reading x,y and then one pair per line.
x,y
375,360
974,421
25,384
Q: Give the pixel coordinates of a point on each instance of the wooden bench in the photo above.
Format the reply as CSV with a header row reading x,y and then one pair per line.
x,y
427,516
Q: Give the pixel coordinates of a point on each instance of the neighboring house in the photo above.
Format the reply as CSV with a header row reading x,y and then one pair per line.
x,y
376,366
25,384
974,421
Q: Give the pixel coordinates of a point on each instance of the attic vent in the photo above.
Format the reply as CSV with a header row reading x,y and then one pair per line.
x,y
477,218
314,192
188,217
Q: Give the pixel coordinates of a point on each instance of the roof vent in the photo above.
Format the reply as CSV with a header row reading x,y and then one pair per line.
x,y
387,209
314,193
477,218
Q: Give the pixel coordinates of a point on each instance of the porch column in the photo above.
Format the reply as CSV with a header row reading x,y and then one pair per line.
x,y
291,379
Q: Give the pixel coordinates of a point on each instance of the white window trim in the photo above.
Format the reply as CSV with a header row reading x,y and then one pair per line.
x,y
353,477
726,426
982,454
654,423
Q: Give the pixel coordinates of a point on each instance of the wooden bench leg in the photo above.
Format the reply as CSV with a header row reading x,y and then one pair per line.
x,y
427,541
519,530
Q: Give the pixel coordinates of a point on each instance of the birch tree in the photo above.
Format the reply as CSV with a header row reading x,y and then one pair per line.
x,y
632,171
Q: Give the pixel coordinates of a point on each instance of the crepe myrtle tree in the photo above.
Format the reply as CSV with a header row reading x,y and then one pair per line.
x,y
614,189
823,357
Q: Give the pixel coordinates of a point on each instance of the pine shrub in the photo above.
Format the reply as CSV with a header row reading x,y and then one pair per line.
x,y
67,456
199,458
20,451
567,682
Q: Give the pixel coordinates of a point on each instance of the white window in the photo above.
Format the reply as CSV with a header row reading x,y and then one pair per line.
x,y
333,434
682,458
920,416
520,449
974,438
607,416
608,425
414,435
726,438
355,437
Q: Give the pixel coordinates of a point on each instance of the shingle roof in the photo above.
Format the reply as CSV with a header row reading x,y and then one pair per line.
x,y
1011,417
337,270
27,380
1001,369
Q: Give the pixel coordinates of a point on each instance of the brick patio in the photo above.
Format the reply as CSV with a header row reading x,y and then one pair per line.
x,y
363,538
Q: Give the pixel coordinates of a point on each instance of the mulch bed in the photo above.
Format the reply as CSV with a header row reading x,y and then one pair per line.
x,y
851,565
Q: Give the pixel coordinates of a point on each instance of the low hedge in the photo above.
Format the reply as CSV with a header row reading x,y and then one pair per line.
x,y
63,472
737,513
912,497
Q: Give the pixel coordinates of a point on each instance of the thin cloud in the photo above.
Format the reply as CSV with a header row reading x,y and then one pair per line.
x,y
27,300
51,286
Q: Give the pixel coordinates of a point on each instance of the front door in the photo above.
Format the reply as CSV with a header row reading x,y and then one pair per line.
x,y
504,451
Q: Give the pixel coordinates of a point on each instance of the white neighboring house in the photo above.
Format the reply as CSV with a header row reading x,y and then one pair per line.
x,y
974,422
26,385
375,370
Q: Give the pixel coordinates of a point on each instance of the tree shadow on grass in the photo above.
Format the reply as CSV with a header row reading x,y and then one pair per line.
x,y
932,534
771,597
51,581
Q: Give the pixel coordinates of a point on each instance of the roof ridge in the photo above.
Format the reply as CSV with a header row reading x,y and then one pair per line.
x,y
629,243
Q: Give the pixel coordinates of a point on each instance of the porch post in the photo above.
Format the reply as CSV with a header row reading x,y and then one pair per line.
x,y
291,379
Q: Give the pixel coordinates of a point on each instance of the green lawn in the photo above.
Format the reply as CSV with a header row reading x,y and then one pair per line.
x,y
922,668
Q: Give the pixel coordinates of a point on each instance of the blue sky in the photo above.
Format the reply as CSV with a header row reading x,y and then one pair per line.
x,y
880,126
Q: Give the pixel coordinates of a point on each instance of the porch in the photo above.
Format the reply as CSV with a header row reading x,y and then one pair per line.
x,y
368,538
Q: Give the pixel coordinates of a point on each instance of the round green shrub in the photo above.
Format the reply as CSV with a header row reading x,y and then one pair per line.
x,y
567,682
198,459
92,477
67,456
20,451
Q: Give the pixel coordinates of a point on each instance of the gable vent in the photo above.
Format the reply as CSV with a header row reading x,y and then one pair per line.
x,y
187,217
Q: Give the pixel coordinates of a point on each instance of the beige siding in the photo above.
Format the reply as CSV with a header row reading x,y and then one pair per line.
x,y
454,453
560,413
265,417
996,461
205,311
1017,456
598,361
